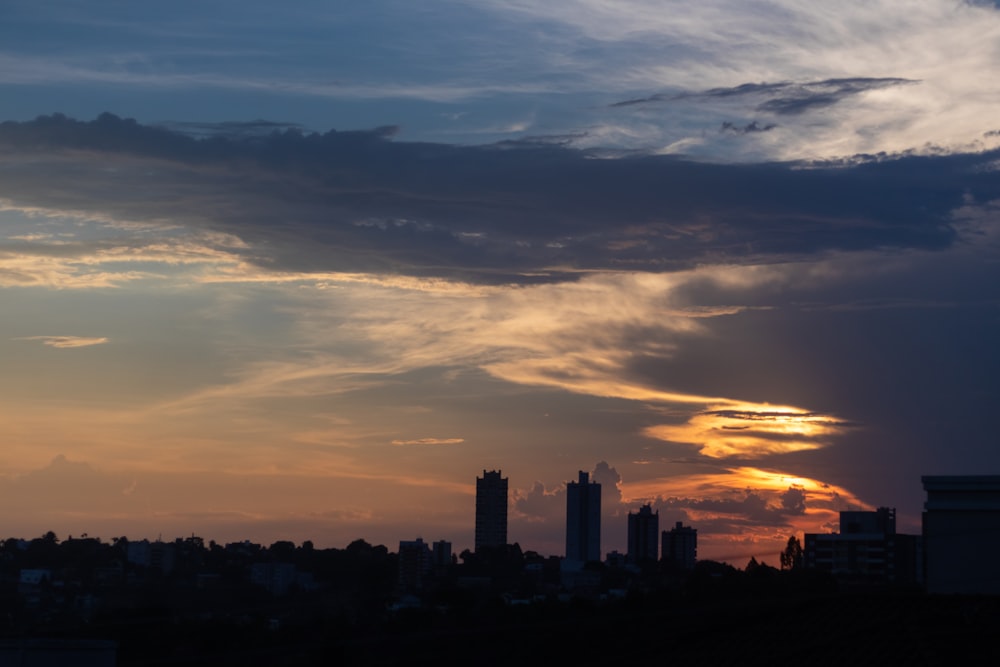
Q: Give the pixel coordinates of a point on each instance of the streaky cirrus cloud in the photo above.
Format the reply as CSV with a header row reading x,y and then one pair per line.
x,y
515,70
428,441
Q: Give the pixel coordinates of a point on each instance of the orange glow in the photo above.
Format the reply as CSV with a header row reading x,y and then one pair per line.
x,y
734,499
749,429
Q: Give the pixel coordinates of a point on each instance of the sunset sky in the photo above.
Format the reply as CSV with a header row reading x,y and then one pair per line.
x,y
304,271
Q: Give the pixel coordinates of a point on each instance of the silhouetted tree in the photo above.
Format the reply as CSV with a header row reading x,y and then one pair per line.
x,y
791,557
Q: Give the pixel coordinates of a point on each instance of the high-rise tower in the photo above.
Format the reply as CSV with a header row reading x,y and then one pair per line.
x,y
643,534
491,510
583,520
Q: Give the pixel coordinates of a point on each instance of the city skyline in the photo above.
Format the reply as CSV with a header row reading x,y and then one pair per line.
x,y
301,276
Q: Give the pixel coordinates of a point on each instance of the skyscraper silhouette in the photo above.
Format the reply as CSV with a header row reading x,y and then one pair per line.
x,y
491,510
583,520
643,534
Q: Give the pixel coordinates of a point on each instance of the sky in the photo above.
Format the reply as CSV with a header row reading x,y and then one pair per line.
x,y
304,272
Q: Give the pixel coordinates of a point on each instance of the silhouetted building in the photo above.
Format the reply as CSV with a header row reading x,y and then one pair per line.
x,y
615,559
961,527
680,546
867,550
491,510
157,555
441,553
643,534
277,578
414,564
583,520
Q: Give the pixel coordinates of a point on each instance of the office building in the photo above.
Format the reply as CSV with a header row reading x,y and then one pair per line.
x,y
867,550
583,520
643,535
491,510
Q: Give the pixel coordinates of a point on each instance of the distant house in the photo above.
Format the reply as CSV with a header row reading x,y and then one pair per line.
x,y
961,527
867,550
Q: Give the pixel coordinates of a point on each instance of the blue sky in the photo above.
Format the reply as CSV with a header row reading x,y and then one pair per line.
x,y
318,267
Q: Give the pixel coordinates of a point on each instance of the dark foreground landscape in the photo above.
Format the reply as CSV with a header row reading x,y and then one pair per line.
x,y
239,604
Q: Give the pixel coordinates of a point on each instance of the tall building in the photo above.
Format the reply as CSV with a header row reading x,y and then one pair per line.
x,y
491,510
961,530
680,546
643,535
583,520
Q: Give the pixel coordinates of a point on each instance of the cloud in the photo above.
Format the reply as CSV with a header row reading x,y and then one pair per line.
x,y
356,202
538,504
793,501
428,441
67,341
783,97
746,129
751,431
733,504
564,63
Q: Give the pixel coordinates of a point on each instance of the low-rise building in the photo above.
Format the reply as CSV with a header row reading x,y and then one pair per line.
x,y
867,550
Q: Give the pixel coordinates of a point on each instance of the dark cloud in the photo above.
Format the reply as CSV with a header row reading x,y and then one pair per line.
x,y
749,128
751,508
358,201
800,98
783,97
658,97
542,140
793,501
230,129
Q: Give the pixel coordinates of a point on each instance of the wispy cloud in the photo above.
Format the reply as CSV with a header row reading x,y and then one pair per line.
x,y
428,441
67,341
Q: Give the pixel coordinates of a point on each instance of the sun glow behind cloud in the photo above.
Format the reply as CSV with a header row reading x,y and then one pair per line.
x,y
750,430
746,510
